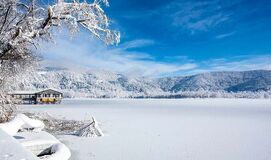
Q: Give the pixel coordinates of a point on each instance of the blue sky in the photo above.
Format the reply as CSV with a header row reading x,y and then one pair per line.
x,y
175,37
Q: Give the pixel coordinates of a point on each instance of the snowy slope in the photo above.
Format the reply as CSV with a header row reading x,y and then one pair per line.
x,y
258,80
90,84
106,84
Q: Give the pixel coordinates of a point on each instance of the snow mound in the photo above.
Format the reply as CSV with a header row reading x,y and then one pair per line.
x,y
42,143
57,152
21,121
29,123
91,130
36,142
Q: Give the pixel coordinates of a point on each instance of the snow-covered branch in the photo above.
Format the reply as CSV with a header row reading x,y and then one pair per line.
x,y
24,24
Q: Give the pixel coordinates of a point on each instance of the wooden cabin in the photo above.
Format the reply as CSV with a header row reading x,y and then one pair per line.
x,y
47,96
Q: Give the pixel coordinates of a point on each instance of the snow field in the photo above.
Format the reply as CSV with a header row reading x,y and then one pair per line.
x,y
187,129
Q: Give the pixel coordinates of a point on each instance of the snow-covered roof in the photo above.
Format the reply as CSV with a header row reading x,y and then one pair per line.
x,y
32,91
23,92
54,90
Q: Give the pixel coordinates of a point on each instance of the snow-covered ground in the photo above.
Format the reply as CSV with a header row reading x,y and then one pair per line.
x,y
181,129
10,149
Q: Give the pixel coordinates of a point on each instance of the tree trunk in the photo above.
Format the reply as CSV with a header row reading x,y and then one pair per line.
x,y
6,107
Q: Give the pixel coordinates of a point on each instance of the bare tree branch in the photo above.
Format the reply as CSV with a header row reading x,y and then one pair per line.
x,y
5,19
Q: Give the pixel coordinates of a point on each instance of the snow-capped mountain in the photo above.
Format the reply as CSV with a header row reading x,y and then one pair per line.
x,y
106,84
257,80
90,83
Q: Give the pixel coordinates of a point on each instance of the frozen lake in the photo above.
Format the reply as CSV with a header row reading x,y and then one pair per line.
x,y
181,129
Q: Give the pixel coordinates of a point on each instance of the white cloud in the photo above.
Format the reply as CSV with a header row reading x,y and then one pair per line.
x,y
86,52
238,63
241,63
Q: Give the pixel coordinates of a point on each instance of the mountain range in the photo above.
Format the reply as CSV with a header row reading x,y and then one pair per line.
x,y
96,84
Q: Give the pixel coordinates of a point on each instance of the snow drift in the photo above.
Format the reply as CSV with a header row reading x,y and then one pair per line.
x,y
40,143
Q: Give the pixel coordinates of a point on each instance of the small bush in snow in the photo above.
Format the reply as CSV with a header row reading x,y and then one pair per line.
x,y
73,127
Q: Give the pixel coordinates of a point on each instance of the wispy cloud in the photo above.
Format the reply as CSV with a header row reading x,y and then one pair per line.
x,y
191,15
197,16
137,43
77,53
237,63
84,52
240,63
224,35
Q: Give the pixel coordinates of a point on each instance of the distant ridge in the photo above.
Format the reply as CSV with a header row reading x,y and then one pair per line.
x,y
108,85
256,80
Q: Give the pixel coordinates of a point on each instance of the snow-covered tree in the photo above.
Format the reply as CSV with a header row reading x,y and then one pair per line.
x,y
25,23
